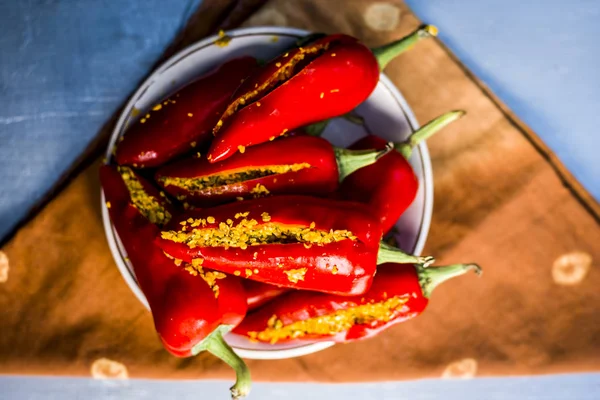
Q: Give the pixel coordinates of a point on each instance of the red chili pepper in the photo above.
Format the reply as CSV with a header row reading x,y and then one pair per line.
x,y
190,312
390,185
258,293
293,165
184,120
317,81
398,293
290,241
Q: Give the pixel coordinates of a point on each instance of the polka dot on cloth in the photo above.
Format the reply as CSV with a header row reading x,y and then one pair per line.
x,y
462,369
382,17
103,368
571,268
3,267
267,17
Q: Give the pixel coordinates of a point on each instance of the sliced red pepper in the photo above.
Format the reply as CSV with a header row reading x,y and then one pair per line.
x,y
293,165
258,293
390,185
190,312
290,241
323,79
151,203
185,119
398,293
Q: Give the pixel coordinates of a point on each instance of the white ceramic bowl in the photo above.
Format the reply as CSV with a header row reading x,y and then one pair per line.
x,y
385,112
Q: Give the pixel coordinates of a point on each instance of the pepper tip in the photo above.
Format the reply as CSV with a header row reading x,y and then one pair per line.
x,y
476,268
237,394
431,30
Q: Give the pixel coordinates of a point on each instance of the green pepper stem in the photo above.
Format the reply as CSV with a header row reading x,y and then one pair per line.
x,y
426,131
354,118
317,128
391,254
388,52
215,344
430,278
349,161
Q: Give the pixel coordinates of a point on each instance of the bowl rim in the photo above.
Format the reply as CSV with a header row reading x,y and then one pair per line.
x,y
114,241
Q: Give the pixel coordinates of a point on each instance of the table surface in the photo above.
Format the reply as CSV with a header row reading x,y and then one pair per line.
x,y
60,84
558,387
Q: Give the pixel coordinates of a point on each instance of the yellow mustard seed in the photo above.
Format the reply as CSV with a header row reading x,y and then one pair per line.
x,y
330,324
148,206
249,232
242,149
192,271
215,181
197,262
334,90
157,107
237,273
223,39
295,275
190,115
260,190
108,204
284,73
210,220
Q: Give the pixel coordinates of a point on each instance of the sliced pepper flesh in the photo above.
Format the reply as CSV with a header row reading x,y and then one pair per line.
x,y
250,232
213,182
285,70
331,324
148,205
